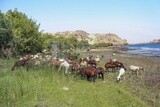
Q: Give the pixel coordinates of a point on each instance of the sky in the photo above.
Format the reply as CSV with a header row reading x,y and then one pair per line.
x,y
137,21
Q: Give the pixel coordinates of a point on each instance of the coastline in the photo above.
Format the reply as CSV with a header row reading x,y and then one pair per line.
x,y
148,63
147,49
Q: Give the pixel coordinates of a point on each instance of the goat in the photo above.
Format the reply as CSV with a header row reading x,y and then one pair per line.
x,y
65,64
135,69
121,73
97,59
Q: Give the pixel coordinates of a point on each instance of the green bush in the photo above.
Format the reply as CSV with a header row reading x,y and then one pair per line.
x,y
99,45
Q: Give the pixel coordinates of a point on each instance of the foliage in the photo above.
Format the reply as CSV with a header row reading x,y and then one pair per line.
x,y
27,38
83,44
67,45
98,45
47,39
5,32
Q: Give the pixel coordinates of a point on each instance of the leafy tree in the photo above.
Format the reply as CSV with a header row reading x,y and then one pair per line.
x,y
83,44
5,33
67,45
47,39
27,38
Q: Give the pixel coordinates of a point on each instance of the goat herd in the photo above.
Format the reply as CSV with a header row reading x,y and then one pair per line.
x,y
85,67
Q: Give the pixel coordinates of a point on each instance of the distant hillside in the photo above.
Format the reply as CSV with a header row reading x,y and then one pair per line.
x,y
155,41
95,38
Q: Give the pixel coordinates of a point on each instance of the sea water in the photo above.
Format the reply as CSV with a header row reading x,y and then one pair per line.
x,y
150,50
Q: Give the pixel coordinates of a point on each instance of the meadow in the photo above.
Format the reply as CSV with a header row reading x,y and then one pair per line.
x,y
46,87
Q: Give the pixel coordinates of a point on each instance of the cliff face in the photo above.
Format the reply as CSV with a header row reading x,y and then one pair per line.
x,y
109,38
155,41
95,38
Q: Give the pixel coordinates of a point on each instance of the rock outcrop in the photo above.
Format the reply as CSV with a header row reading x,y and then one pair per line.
x,y
94,38
109,38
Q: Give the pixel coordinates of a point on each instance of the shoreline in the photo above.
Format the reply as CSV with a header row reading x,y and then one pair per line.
x,y
127,58
148,50
122,50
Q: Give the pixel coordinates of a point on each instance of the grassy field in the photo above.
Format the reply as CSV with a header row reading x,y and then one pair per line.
x,y
43,87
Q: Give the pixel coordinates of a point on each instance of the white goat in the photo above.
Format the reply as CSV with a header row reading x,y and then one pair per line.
x,y
65,64
114,60
135,69
97,59
121,73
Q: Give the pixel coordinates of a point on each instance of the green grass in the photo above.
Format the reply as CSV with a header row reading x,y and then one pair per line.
x,y
44,88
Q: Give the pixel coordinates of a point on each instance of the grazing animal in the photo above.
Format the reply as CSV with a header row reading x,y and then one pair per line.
x,y
113,64
109,65
82,71
100,72
121,73
22,62
74,67
113,60
89,72
97,59
72,57
135,69
83,62
64,64
119,64
92,63
55,62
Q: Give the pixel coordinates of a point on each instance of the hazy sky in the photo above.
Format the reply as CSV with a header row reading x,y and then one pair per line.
x,y
134,20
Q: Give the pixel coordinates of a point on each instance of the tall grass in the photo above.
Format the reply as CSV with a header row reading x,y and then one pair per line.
x,y
43,87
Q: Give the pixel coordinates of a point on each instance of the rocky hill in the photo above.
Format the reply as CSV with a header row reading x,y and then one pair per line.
x,y
155,41
95,38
